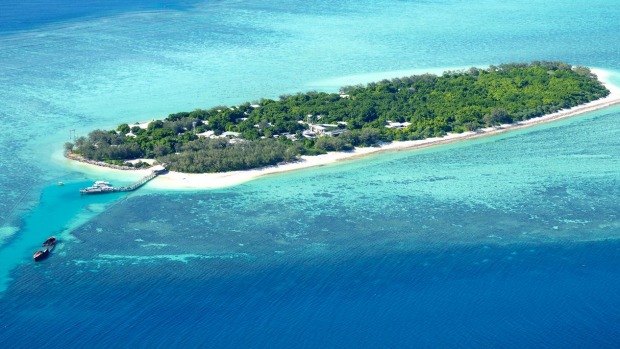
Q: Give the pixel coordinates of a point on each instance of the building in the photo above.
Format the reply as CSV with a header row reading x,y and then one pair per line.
x,y
397,125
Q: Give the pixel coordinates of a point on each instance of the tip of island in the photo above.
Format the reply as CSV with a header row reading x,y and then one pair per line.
x,y
224,146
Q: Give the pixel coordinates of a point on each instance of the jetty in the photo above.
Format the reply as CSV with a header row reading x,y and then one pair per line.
x,y
102,187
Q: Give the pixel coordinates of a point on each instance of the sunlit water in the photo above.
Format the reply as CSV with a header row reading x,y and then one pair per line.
x,y
509,241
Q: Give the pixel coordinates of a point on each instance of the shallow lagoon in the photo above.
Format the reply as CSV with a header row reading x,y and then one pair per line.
x,y
493,236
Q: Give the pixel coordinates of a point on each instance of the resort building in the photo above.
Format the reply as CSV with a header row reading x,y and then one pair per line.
x,y
317,130
398,125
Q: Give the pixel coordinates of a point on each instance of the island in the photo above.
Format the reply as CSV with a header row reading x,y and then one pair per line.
x,y
271,132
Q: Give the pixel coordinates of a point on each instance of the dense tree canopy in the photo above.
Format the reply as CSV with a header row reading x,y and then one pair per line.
x,y
426,105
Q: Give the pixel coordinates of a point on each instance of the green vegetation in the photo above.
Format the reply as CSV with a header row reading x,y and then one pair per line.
x,y
408,108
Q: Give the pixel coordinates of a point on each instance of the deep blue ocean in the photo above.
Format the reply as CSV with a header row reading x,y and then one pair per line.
x,y
510,241
25,15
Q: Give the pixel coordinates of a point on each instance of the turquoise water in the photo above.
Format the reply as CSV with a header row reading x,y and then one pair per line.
x,y
507,241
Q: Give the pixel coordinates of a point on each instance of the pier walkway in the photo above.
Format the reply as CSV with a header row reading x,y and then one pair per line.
x,y
106,188
139,183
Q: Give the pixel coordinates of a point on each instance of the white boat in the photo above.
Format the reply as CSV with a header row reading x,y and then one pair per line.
x,y
99,187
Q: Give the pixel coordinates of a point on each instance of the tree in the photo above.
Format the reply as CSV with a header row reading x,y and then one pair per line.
x,y
498,116
153,125
368,136
123,128
68,147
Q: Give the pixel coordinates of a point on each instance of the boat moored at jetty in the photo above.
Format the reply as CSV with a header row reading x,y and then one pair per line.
x,y
99,187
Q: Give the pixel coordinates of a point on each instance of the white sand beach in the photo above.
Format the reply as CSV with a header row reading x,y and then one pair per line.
x,y
183,181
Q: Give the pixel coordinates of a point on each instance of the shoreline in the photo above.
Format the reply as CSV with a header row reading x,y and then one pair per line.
x,y
177,181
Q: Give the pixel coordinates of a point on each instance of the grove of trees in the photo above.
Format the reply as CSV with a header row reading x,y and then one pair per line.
x,y
456,101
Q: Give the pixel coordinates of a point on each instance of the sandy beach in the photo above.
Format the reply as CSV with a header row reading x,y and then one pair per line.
x,y
183,181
